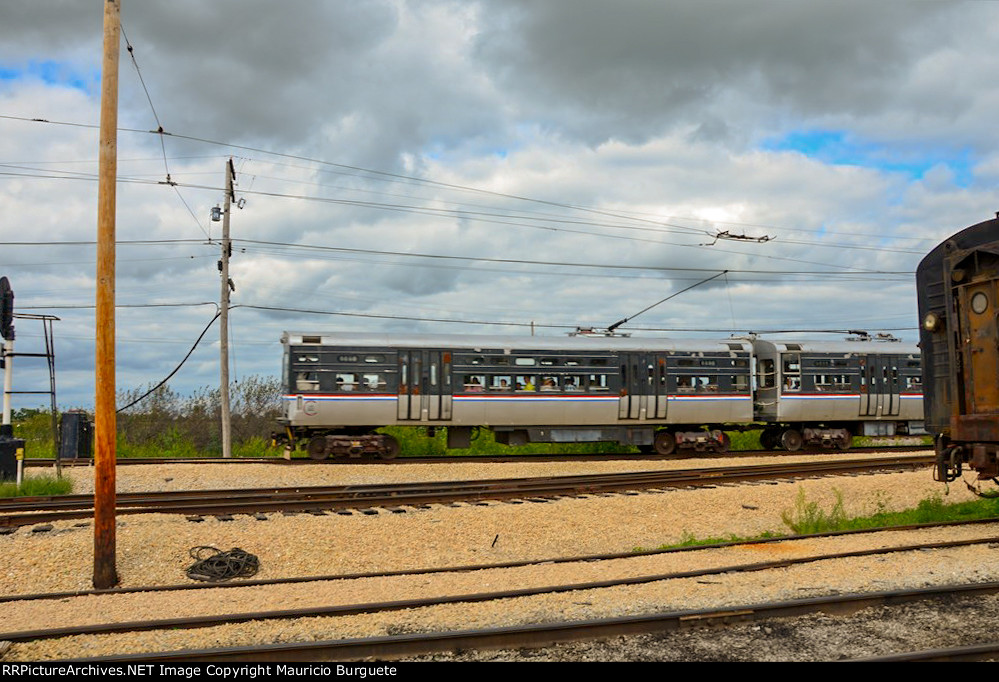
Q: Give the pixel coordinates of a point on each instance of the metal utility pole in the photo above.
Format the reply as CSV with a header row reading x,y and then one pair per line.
x,y
230,174
105,572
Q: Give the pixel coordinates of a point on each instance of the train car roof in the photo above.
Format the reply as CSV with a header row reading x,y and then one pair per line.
x,y
500,342
874,347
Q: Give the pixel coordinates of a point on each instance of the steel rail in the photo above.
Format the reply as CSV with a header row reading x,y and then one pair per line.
x,y
398,605
417,494
585,558
541,635
478,459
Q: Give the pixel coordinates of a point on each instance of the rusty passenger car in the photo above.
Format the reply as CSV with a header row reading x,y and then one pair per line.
x,y
958,290
657,394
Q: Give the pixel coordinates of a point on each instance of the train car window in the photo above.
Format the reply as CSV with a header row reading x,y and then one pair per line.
x,y
740,382
571,384
373,382
914,383
599,383
307,381
549,384
433,374
705,384
792,383
525,362
524,383
979,303
500,383
792,363
768,378
403,376
346,382
474,383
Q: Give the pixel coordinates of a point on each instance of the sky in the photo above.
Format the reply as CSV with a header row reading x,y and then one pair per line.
x,y
486,167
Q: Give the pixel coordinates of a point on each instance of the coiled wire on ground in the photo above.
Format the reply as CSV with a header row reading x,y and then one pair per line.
x,y
219,565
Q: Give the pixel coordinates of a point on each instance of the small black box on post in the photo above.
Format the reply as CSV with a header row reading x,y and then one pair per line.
x,y
8,456
76,435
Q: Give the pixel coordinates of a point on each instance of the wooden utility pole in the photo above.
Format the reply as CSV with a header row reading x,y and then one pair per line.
x,y
105,572
230,173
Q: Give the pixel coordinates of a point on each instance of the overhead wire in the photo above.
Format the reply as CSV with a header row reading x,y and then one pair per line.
x,y
424,181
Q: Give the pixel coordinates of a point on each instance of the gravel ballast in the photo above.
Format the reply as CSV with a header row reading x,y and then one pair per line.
x,y
153,550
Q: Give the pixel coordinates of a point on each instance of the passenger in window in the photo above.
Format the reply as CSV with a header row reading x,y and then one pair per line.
x,y
570,384
503,385
549,384
525,383
474,385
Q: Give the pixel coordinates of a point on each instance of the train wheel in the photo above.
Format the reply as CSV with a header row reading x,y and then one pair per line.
x,y
791,440
664,443
845,443
317,448
770,438
391,448
723,447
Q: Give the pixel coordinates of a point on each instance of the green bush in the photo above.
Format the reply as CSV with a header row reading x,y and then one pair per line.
x,y
37,486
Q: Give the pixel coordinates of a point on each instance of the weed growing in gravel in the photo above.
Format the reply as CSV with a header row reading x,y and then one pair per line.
x,y
807,517
33,486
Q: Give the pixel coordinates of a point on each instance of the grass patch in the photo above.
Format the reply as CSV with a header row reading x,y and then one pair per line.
x,y
808,517
37,486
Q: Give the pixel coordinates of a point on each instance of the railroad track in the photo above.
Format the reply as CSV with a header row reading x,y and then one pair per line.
x,y
35,510
473,459
535,635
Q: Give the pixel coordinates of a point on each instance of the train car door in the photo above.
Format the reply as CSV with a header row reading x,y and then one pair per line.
x,y
981,354
870,385
436,402
658,398
880,386
424,385
410,370
634,384
891,405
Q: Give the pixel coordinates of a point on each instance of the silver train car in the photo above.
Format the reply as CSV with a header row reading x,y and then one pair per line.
x,y
657,394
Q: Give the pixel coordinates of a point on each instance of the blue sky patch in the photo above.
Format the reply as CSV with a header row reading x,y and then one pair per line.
x,y
838,148
52,73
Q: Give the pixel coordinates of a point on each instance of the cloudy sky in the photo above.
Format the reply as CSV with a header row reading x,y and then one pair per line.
x,y
479,167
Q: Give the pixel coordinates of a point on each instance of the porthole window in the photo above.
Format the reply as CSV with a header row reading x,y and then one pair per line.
x,y
979,303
